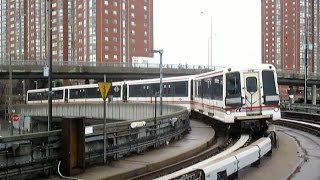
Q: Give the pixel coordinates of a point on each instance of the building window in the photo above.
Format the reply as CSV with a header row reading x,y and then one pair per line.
x,y
115,48
115,56
133,32
132,6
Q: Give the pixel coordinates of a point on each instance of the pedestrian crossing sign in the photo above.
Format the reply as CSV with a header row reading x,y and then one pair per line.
x,y
104,88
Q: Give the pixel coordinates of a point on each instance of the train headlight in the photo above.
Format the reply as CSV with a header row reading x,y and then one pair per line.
x,y
228,112
276,109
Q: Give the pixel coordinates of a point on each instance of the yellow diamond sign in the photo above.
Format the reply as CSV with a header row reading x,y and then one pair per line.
x,y
104,88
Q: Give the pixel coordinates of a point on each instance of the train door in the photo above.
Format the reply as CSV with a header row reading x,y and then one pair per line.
x,y
252,93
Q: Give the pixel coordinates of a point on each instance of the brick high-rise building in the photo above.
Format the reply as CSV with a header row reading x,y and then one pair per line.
x,y
286,24
88,31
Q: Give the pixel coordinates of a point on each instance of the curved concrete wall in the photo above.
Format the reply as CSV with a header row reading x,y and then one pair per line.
x,y
116,111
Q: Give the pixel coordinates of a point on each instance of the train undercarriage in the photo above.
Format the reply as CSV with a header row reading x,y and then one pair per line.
x,y
255,127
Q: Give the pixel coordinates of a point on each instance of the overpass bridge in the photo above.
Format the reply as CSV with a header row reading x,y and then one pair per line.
x,y
33,69
80,70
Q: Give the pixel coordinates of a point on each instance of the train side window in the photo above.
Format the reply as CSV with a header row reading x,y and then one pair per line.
x,y
198,89
217,88
115,91
58,94
181,89
233,85
93,92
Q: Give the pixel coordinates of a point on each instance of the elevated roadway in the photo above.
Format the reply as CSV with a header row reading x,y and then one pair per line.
x,y
64,70
31,69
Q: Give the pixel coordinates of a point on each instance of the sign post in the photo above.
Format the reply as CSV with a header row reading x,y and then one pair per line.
x,y
104,88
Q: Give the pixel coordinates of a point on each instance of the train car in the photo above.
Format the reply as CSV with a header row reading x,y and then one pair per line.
x,y
40,96
74,94
242,97
176,90
91,93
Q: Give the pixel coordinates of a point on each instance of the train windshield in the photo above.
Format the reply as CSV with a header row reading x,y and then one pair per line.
x,y
233,84
269,87
233,89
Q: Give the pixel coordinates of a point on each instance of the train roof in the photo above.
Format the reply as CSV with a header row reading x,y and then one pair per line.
x,y
233,68
155,80
70,87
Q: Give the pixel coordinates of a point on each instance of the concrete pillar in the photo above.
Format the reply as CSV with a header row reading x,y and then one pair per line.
x,y
314,94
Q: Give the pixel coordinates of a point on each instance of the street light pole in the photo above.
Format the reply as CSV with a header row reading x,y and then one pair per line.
x,y
160,51
50,66
306,55
10,94
211,40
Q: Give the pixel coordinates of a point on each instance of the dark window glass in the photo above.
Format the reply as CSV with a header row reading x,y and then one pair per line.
x,y
77,93
93,93
217,87
115,91
58,94
181,89
251,84
233,84
198,89
269,87
206,88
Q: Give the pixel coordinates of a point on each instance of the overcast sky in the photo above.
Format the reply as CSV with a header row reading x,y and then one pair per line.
x,y
182,30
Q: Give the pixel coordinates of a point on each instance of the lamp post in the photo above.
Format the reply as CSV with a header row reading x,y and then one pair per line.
x,y
160,51
306,54
50,65
210,43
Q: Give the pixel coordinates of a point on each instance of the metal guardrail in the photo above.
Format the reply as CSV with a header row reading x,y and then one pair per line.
x,y
281,73
40,152
106,64
301,108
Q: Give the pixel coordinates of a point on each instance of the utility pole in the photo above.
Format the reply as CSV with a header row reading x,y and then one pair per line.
x,y
160,51
10,94
50,65
306,53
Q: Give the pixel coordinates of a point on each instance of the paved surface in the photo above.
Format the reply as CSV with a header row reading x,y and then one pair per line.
x,y
309,154
297,158
197,138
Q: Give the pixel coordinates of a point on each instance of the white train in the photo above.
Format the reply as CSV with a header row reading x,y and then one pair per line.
x,y
242,97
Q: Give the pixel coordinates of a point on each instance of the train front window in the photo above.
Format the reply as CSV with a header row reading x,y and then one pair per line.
x,y
251,83
233,90
233,84
269,88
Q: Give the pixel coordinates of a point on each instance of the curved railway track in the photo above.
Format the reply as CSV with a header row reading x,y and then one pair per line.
x,y
224,146
303,121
